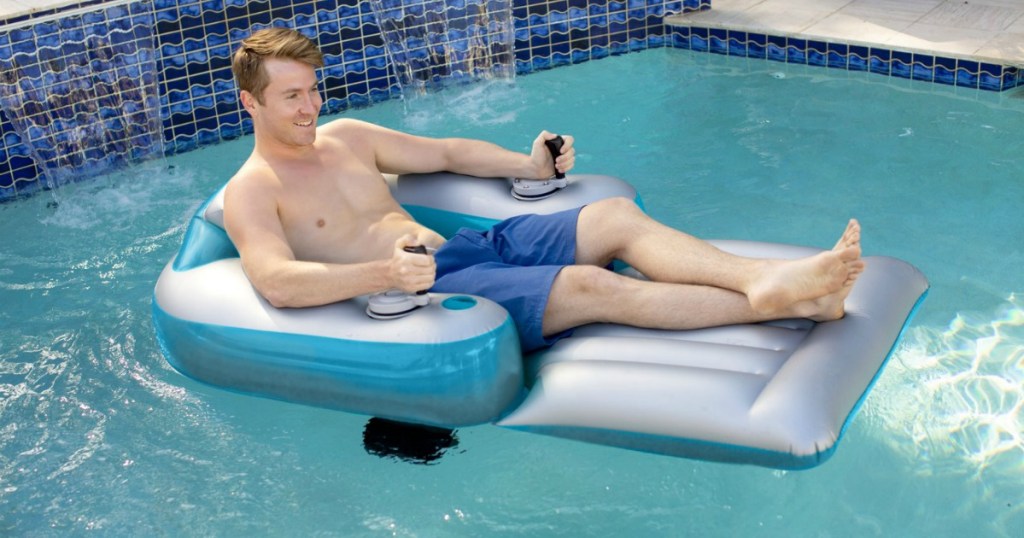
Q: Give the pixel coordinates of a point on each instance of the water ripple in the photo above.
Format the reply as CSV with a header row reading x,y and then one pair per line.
x,y
958,394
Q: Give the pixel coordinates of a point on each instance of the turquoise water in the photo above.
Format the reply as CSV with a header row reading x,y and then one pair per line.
x,y
98,434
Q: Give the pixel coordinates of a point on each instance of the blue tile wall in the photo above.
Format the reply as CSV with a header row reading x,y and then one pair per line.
x,y
79,93
18,172
900,64
194,39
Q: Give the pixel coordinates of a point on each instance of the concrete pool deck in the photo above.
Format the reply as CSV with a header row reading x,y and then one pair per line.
x,y
14,8
980,30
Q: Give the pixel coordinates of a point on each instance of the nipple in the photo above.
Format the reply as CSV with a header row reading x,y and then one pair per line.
x,y
320,223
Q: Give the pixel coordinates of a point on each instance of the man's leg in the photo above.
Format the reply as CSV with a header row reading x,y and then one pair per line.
x,y
617,228
584,294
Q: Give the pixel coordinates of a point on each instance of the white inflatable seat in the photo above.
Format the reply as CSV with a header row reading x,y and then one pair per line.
x,y
777,394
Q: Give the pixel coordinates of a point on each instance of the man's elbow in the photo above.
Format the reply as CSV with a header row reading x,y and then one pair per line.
x,y
276,298
272,284
277,295
279,300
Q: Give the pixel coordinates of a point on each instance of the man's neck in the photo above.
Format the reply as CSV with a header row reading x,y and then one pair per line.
x,y
273,151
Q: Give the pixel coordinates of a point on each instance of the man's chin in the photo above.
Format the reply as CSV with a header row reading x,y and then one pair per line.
x,y
305,137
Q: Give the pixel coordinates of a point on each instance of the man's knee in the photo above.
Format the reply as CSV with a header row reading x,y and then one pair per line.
x,y
607,229
590,281
617,205
582,294
621,216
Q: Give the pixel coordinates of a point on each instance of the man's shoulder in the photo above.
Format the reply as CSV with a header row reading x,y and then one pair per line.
x,y
255,169
346,128
252,179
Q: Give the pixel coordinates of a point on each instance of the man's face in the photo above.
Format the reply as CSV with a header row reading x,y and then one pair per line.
x,y
291,103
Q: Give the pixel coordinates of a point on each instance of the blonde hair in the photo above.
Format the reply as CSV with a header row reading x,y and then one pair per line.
x,y
282,43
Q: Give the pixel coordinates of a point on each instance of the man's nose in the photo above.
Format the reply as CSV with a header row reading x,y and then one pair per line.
x,y
311,103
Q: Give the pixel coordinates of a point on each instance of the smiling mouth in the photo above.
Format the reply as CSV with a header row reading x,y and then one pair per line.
x,y
304,124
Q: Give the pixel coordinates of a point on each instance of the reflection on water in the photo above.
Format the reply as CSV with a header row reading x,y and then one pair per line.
x,y
957,393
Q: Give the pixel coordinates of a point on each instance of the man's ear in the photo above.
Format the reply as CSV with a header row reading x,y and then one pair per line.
x,y
249,102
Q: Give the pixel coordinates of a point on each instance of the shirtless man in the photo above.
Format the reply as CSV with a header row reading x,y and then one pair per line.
x,y
315,223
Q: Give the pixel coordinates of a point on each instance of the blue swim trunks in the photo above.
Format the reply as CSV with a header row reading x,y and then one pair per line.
x,y
513,264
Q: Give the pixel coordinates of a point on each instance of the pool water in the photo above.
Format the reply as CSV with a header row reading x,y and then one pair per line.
x,y
98,433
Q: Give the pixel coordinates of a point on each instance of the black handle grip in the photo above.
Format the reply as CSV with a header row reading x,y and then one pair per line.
x,y
555,147
417,249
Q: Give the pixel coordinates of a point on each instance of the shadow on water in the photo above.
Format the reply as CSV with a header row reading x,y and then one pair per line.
x,y
412,443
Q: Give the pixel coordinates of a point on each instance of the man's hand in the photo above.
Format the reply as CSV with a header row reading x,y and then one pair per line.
x,y
410,272
541,157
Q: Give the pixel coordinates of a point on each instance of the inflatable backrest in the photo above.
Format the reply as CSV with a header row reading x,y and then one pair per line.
x,y
214,212
205,240
445,202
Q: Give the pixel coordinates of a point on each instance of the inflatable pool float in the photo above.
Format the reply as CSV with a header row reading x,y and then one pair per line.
x,y
776,394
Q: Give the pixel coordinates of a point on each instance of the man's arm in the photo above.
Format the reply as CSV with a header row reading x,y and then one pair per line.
x,y
402,153
255,228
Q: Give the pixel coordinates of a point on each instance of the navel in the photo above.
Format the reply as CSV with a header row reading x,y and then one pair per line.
x,y
320,223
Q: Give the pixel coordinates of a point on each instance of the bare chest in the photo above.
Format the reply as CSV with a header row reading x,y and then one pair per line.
x,y
338,213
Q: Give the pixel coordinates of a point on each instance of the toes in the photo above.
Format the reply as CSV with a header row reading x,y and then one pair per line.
x,y
850,236
849,255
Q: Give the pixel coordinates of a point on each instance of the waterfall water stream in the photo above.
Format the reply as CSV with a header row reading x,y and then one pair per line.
x,y
432,43
81,90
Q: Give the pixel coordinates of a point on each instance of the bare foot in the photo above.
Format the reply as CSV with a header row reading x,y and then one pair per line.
x,y
850,237
832,306
822,281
